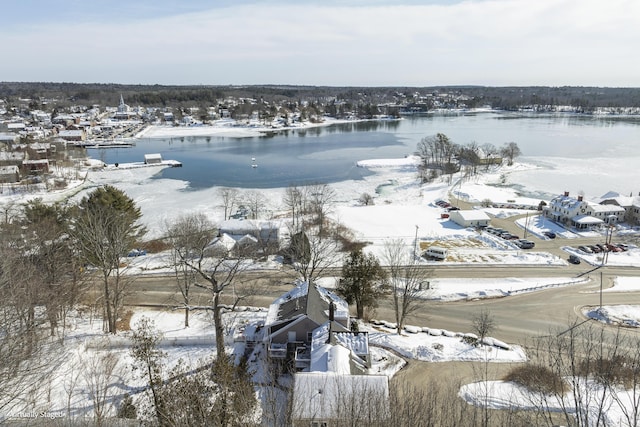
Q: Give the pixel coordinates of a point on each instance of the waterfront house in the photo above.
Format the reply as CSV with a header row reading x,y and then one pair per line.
x,y
581,214
266,233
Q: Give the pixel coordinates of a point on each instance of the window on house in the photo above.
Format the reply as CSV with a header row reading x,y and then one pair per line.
x,y
309,336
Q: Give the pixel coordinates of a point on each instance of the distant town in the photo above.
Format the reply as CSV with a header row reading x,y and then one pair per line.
x,y
44,124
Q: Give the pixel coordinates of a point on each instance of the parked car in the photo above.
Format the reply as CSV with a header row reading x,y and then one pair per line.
x,y
602,248
585,249
613,248
509,236
594,249
453,208
136,252
574,259
623,247
524,244
549,234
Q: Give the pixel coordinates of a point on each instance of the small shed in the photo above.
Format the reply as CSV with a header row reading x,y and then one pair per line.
x,y
153,159
470,218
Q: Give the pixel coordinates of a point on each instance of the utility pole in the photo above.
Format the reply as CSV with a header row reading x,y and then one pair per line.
x,y
415,245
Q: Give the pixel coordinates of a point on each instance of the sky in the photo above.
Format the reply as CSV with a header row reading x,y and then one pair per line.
x,y
328,42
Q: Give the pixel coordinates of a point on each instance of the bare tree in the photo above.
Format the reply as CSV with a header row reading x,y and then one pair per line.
x,y
217,266
597,367
321,197
483,324
406,279
312,255
229,197
188,236
255,202
510,151
148,361
99,375
366,199
295,200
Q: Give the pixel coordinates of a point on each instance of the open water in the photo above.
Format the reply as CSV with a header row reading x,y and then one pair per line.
x,y
329,154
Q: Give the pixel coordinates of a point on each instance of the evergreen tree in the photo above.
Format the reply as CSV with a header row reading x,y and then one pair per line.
x,y
362,281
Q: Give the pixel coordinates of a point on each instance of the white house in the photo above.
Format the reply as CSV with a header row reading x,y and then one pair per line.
x,y
470,218
630,204
581,214
267,233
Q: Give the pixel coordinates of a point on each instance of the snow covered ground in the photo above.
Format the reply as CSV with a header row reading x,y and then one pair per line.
x,y
403,209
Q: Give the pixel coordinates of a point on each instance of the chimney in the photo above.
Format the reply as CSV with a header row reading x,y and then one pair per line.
x,y
331,312
566,194
579,198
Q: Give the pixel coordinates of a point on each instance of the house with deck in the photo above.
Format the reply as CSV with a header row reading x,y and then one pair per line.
x,y
308,330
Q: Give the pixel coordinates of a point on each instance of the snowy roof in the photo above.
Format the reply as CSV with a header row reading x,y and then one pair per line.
x,y
241,226
7,136
472,215
64,133
567,202
6,170
11,155
331,358
607,208
358,342
312,301
586,219
322,395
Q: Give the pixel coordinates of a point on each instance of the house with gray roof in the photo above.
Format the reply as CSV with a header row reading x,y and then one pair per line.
x,y
304,321
307,329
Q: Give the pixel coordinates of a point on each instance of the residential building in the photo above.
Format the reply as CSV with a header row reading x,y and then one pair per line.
x,y
9,174
307,329
581,214
266,233
630,204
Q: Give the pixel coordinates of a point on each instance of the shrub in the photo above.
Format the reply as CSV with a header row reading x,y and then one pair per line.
x,y
617,370
154,246
537,378
471,340
127,409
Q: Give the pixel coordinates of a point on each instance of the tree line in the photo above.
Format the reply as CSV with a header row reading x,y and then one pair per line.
x,y
585,99
439,155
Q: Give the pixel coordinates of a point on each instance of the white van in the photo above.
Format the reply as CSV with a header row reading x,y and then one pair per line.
x,y
436,252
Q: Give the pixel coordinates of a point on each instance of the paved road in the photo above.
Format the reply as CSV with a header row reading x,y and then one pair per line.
x,y
519,316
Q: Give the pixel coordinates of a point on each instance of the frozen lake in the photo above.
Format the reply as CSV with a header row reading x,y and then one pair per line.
x,y
575,153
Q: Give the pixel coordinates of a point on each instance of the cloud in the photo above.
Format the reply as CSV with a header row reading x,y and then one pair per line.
x,y
468,42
